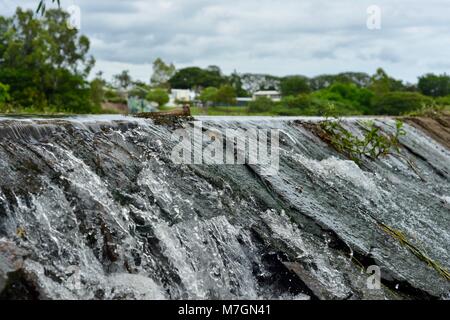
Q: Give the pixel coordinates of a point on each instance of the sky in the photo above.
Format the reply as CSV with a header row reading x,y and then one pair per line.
x,y
283,37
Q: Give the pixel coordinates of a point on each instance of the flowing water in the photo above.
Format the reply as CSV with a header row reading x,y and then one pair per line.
x,y
94,208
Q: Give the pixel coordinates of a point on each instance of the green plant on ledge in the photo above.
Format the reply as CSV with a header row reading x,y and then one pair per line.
x,y
374,144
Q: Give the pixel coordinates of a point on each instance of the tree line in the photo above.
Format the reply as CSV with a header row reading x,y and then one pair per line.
x,y
45,67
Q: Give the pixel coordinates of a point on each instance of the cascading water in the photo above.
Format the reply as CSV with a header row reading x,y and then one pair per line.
x,y
94,208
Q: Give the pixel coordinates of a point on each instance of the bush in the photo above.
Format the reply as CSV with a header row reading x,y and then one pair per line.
x,y
349,96
373,145
4,93
443,101
159,96
208,95
226,95
434,85
4,96
301,102
261,104
398,103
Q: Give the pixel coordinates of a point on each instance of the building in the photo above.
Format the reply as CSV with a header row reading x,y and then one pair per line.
x,y
180,95
271,94
242,102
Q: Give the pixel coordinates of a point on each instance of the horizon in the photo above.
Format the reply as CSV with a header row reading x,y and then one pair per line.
x,y
276,38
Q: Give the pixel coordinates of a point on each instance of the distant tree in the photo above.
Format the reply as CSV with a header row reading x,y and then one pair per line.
x,y
208,95
302,101
214,69
196,78
42,6
347,93
226,95
4,94
139,89
44,62
236,81
123,79
159,96
162,73
98,90
434,85
381,83
399,103
360,79
261,104
292,86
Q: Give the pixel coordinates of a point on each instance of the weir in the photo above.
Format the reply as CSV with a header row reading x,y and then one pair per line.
x,y
94,208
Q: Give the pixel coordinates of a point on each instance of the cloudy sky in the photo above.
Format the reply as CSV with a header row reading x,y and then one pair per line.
x,y
280,37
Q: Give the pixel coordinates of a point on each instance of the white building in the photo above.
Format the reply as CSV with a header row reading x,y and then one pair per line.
x,y
243,101
180,95
271,94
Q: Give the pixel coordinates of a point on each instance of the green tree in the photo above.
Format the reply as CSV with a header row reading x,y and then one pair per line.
x,y
292,86
347,96
98,90
123,79
159,96
381,83
42,5
40,57
399,103
139,89
197,78
434,85
360,79
226,95
301,102
162,73
236,81
208,96
4,95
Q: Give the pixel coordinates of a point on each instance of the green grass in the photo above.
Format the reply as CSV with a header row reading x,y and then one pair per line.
x,y
401,237
243,111
431,111
220,111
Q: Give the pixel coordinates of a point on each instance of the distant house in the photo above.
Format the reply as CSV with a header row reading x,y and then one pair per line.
x,y
181,95
242,102
271,94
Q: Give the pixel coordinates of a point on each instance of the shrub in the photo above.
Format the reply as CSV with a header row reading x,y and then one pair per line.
x,y
443,101
4,93
302,101
398,103
4,96
348,96
113,96
374,144
208,95
159,96
261,104
226,95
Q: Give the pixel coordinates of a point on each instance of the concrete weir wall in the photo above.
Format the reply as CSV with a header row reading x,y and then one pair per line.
x,y
94,208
